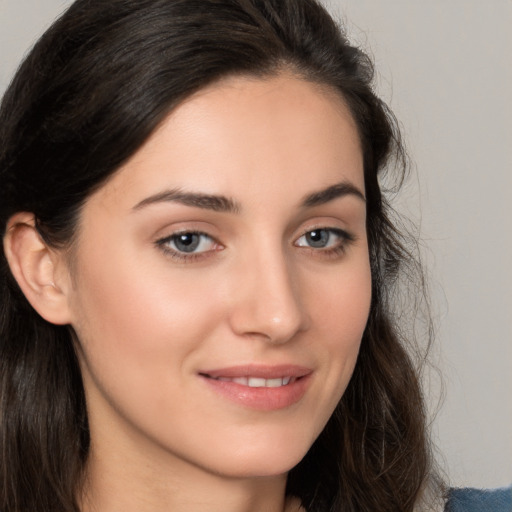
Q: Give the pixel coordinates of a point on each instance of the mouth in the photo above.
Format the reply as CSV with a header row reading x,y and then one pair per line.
x,y
264,388
256,382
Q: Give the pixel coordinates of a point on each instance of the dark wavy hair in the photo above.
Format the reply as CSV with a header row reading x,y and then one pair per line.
x,y
92,90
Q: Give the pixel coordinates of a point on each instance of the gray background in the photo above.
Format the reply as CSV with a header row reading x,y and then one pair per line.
x,y
444,66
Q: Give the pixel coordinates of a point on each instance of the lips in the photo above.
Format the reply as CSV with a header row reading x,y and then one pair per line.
x,y
258,371
258,382
260,387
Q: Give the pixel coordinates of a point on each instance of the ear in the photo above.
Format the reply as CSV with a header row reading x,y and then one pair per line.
x,y
40,271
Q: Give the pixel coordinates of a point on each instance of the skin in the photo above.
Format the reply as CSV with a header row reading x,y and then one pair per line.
x,y
148,318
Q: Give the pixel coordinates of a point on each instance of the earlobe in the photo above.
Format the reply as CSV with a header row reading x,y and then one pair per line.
x,y
34,265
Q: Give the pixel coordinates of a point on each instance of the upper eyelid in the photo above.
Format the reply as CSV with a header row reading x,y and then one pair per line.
x,y
169,232
166,238
163,243
298,233
348,234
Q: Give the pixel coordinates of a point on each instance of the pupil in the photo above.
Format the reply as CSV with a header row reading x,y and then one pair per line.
x,y
318,238
187,242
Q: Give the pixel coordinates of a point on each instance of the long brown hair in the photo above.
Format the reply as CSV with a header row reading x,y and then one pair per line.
x,y
91,91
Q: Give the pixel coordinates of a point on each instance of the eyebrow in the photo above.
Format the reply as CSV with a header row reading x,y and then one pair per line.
x,y
342,189
219,203
196,199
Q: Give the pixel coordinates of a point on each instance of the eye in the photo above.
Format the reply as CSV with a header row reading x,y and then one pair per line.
x,y
187,243
324,238
190,242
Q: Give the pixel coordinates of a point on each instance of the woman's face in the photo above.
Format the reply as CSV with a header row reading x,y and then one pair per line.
x,y
221,280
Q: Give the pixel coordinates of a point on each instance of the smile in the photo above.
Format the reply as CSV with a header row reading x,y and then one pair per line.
x,y
258,382
264,388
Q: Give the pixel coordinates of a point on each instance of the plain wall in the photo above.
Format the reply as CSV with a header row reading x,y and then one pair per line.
x,y
444,66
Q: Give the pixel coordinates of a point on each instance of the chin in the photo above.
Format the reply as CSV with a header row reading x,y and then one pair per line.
x,y
270,461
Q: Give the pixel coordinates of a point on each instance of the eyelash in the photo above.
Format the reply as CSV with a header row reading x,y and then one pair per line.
x,y
339,248
345,239
182,256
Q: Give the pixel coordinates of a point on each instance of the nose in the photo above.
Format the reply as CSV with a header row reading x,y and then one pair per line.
x,y
267,301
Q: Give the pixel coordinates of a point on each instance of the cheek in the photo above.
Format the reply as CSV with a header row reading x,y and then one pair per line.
x,y
138,331
341,314
341,306
130,312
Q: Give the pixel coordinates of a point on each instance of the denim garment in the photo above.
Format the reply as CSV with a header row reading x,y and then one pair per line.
x,y
478,500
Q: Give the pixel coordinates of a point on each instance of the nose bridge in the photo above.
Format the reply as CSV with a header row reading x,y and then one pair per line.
x,y
268,302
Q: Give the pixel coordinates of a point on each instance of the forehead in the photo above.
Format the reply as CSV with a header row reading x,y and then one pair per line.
x,y
247,136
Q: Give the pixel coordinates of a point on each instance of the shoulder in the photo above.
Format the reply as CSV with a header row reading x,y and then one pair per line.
x,y
478,500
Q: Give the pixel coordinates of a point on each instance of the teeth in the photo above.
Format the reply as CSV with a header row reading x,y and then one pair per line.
x,y
258,382
255,382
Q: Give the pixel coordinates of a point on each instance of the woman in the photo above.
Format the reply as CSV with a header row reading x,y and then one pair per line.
x,y
198,268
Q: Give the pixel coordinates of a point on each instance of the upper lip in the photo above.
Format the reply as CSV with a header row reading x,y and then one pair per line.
x,y
261,371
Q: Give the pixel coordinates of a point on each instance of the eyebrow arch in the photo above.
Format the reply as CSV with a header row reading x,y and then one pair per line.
x,y
219,203
333,192
199,200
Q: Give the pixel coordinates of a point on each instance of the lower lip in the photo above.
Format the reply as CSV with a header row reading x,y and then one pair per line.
x,y
263,398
